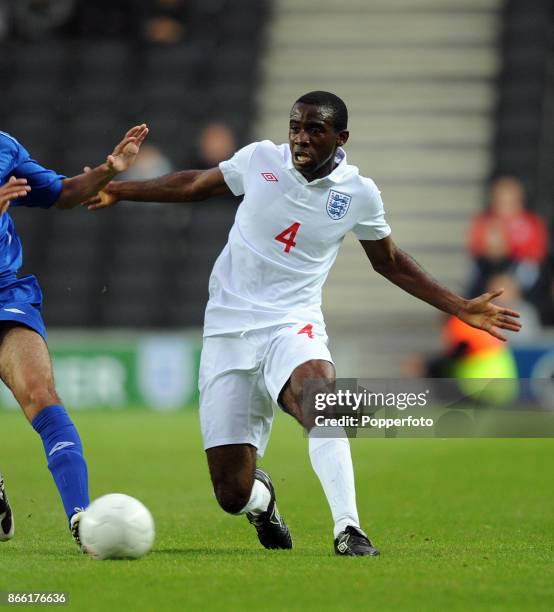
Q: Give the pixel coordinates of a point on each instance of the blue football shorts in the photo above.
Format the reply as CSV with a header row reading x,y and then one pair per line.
x,y
21,301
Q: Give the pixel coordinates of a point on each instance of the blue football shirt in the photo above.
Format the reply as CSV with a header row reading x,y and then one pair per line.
x,y
46,186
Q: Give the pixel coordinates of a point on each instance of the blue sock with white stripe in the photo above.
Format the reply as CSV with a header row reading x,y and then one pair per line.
x,y
64,453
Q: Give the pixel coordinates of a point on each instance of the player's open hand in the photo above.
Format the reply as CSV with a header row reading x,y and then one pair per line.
x,y
483,314
127,150
14,188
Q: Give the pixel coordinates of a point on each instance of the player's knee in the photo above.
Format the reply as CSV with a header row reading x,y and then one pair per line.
x,y
37,395
313,374
233,498
308,379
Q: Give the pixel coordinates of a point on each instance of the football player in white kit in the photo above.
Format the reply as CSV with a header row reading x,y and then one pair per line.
x,y
264,334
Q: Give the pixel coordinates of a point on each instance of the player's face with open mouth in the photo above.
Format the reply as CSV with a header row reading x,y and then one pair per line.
x,y
313,140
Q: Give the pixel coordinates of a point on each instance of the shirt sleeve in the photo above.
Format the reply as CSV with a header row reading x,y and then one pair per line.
x,y
372,224
235,169
46,185
8,156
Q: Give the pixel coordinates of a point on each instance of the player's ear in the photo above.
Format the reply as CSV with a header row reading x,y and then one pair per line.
x,y
342,137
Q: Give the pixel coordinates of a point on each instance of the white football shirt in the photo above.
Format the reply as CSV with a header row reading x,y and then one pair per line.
x,y
285,238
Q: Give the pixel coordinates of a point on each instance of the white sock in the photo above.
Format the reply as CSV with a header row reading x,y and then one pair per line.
x,y
259,499
332,462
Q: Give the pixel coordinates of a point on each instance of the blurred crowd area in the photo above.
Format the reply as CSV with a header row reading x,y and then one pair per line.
x,y
511,250
511,242
95,67
511,247
155,21
78,73
76,76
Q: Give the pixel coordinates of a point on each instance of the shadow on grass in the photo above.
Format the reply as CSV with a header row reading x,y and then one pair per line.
x,y
248,552
232,552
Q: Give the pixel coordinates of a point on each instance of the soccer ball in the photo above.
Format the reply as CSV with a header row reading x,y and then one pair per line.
x,y
116,526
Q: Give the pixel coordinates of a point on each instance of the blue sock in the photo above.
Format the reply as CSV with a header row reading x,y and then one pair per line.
x,y
64,453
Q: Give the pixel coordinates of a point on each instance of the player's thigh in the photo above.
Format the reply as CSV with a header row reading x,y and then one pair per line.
x,y
235,407
298,361
26,367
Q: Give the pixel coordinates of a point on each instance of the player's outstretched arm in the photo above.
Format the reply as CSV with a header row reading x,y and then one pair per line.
x,y
184,186
402,270
77,189
14,188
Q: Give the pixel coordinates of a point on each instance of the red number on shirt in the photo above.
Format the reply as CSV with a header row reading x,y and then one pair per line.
x,y
307,329
287,236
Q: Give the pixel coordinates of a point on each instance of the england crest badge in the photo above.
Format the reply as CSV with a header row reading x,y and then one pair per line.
x,y
338,204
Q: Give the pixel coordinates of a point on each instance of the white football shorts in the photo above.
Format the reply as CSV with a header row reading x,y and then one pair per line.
x,y
241,375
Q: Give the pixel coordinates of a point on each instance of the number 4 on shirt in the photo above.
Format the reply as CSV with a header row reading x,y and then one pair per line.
x,y
307,329
287,236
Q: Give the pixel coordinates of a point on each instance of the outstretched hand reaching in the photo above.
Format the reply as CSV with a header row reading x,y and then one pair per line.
x,y
483,314
126,151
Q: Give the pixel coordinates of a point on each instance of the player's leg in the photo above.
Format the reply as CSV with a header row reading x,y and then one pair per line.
x,y
307,355
329,454
233,470
26,368
235,417
241,488
7,524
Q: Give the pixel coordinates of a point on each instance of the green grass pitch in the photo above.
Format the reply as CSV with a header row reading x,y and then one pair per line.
x,y
462,524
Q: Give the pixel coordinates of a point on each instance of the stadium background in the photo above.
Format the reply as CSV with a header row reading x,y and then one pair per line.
x,y
443,95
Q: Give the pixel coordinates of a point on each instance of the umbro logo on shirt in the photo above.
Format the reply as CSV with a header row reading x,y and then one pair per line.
x,y
270,177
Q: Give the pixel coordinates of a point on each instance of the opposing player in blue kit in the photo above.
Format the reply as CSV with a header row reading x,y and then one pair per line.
x,y
25,365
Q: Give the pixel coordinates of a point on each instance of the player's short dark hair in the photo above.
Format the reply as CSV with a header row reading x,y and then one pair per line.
x,y
328,100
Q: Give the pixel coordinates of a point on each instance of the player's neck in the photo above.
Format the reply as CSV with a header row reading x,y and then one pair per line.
x,y
321,172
